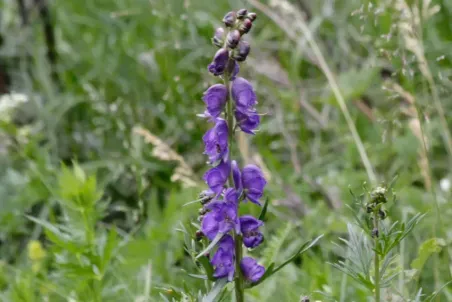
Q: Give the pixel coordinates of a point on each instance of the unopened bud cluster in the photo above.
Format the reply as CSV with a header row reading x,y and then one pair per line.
x,y
377,199
238,24
375,206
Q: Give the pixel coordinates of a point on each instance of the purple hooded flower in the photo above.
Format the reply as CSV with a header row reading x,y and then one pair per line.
x,y
248,122
252,271
215,98
223,260
249,226
219,62
217,176
243,95
253,182
222,218
216,141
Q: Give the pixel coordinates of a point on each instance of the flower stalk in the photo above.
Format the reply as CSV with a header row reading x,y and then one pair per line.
x,y
239,290
377,257
231,106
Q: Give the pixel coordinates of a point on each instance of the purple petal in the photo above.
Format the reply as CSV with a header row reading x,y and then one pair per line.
x,y
209,225
247,121
253,182
236,175
243,94
249,226
230,195
251,270
235,71
216,141
216,177
223,260
219,62
215,99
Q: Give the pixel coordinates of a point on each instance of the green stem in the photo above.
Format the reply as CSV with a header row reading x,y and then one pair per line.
x,y
376,259
239,288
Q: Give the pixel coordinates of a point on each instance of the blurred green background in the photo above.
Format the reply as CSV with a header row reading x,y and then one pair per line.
x,y
353,91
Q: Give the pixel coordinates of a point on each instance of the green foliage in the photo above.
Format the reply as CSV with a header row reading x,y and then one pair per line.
x,y
102,202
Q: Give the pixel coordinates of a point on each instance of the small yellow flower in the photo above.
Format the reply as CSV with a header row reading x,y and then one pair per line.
x,y
35,251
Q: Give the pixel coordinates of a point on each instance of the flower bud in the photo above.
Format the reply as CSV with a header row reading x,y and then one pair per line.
x,y
218,38
206,196
245,26
199,234
375,232
219,62
383,214
241,52
378,195
229,19
202,211
200,218
305,299
251,16
233,38
241,13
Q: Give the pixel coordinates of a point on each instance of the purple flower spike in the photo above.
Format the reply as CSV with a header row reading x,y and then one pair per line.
x,y
248,122
223,260
217,176
253,183
252,271
221,219
243,95
219,63
249,226
216,141
215,98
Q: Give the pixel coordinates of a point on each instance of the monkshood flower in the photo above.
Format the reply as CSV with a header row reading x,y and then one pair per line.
x,y
222,217
216,141
223,260
215,99
251,270
249,226
231,106
217,176
219,62
243,94
253,183
247,122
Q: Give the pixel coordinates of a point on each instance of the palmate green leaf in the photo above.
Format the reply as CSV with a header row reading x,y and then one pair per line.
x,y
271,270
216,290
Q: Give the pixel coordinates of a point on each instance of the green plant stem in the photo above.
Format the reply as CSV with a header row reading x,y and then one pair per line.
x,y
376,259
239,288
